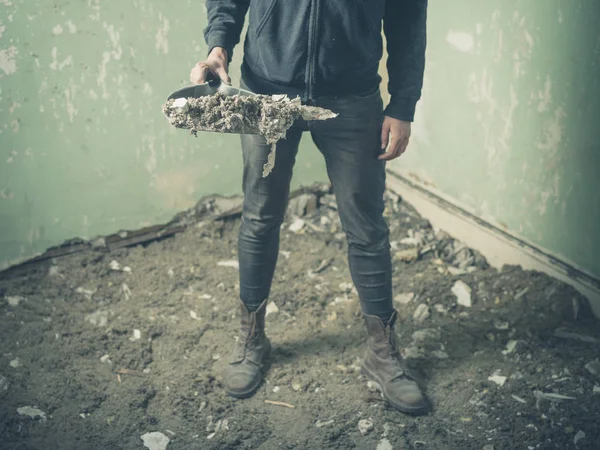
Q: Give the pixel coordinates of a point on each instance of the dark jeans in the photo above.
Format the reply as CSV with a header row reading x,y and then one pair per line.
x,y
350,144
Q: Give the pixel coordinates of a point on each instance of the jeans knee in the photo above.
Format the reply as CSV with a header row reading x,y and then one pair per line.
x,y
254,226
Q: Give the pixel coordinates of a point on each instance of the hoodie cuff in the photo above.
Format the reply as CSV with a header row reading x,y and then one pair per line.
x,y
401,109
218,38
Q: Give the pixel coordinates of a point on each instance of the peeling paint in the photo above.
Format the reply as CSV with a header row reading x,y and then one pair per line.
x,y
553,133
56,65
8,60
162,44
461,41
71,26
545,96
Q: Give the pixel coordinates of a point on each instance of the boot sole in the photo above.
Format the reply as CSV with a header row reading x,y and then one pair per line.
x,y
399,406
247,393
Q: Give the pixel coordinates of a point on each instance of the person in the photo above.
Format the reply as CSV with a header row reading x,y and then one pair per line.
x,y
327,52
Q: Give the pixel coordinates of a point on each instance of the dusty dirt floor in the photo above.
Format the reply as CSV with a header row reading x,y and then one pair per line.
x,y
102,347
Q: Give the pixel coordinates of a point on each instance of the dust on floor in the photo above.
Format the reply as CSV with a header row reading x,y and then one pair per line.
x,y
101,348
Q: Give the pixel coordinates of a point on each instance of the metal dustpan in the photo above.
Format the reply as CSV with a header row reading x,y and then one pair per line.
x,y
207,89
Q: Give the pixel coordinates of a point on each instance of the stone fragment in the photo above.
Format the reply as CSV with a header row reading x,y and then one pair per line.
x,y
365,426
421,313
463,293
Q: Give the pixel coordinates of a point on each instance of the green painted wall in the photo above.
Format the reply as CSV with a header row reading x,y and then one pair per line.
x,y
509,124
84,148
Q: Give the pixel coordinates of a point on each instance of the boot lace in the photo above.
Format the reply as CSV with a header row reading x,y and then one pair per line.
x,y
395,355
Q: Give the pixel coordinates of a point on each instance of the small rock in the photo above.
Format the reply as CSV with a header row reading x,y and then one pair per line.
x,y
170,273
519,399
297,225
15,300
463,293
321,424
386,430
216,357
127,269
32,413
404,299
593,368
341,300
105,360
126,291
4,385
296,387
97,318
98,244
16,363
365,426
384,444
193,315
114,265
87,293
439,354
408,255
510,347
579,436
596,390
232,263
276,389
372,386
502,326
456,271
346,287
440,308
498,379
181,103
421,313
137,335
155,440
271,308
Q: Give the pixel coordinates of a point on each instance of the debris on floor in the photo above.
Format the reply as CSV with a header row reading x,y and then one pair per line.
x,y
32,413
155,441
520,364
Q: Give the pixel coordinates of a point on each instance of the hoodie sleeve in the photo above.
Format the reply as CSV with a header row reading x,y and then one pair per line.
x,y
404,25
225,23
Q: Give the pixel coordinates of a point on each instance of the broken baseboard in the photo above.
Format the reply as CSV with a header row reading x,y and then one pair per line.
x,y
498,246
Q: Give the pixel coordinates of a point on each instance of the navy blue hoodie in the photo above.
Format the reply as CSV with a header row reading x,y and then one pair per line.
x,y
314,48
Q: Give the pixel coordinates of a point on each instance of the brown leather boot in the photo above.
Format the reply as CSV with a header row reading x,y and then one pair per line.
x,y
244,374
383,364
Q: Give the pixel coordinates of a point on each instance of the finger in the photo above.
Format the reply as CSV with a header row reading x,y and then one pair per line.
x,y
392,151
403,146
199,73
385,135
221,72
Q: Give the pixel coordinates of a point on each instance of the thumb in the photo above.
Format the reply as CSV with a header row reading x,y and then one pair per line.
x,y
385,135
223,75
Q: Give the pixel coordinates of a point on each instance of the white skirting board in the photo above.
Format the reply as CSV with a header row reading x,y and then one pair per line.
x,y
499,247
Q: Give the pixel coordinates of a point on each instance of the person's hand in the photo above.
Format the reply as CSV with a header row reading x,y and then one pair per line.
x,y
216,64
396,133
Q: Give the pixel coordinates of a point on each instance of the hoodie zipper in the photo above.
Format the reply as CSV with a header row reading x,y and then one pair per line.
x,y
312,42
